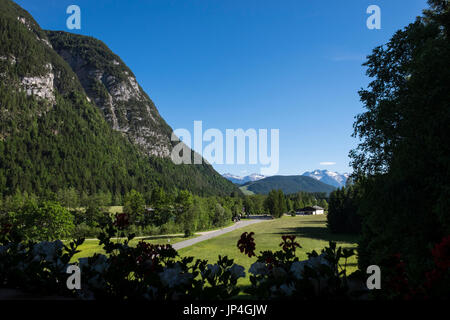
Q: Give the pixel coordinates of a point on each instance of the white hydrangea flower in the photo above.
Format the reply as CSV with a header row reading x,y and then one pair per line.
x,y
316,262
258,268
101,263
85,294
297,269
3,249
21,266
214,268
278,272
46,250
96,282
237,271
152,290
83,263
171,277
60,265
168,276
287,290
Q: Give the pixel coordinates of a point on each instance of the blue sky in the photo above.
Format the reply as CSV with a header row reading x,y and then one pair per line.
x,y
279,64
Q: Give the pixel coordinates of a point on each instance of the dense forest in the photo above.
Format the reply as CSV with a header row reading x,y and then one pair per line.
x,y
70,214
288,184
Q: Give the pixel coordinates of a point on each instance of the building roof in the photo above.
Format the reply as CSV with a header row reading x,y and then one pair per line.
x,y
313,208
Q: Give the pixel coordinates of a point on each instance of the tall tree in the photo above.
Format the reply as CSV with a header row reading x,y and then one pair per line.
x,y
184,210
134,205
403,159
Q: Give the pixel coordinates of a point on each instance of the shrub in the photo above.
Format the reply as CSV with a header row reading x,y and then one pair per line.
x,y
157,272
280,274
46,220
82,230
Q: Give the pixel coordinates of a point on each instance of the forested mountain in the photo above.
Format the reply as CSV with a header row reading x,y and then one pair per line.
x,y
112,86
86,124
288,184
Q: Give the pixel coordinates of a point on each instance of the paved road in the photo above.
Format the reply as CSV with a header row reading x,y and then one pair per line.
x,y
213,234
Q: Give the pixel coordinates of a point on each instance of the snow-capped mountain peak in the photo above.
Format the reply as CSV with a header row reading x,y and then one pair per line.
x,y
255,177
241,180
329,177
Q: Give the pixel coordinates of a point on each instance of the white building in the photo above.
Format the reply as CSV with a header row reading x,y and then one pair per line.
x,y
312,210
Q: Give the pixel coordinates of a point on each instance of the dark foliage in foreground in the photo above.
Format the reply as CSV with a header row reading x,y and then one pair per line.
x,y
403,160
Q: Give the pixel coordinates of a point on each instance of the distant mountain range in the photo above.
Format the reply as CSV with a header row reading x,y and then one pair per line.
x,y
288,184
329,177
242,180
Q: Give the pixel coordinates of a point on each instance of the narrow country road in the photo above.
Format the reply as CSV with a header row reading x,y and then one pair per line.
x,y
213,234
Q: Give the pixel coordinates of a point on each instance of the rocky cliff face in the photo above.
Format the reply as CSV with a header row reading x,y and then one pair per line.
x,y
112,86
73,115
28,62
40,86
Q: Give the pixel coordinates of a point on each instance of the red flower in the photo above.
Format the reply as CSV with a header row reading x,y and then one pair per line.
x,y
246,244
398,281
441,254
432,276
154,251
441,257
148,256
289,243
122,220
270,262
6,228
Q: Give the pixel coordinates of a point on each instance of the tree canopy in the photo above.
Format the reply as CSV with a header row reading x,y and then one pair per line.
x,y
403,158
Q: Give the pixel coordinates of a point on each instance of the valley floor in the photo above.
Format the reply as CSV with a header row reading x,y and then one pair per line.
x,y
212,234
311,232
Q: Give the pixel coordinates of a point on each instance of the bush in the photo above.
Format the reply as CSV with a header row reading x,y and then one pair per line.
x,y
169,228
280,274
156,272
82,230
46,220
144,272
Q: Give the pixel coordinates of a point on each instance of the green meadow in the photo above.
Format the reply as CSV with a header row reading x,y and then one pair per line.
x,y
311,232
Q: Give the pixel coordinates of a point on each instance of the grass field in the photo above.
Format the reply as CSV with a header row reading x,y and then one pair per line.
x,y
115,209
311,232
246,191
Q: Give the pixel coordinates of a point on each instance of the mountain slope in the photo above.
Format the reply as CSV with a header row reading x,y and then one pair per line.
x,y
112,86
288,184
53,136
329,177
